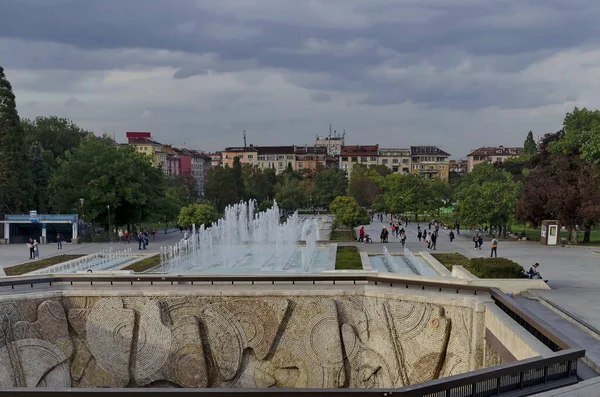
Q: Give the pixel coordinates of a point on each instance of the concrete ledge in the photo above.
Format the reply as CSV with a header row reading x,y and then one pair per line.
x,y
510,285
435,264
462,273
366,263
519,342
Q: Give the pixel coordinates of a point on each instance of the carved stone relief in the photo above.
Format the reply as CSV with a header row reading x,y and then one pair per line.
x,y
231,342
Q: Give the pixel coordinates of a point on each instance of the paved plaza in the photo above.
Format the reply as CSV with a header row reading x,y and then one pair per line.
x,y
573,273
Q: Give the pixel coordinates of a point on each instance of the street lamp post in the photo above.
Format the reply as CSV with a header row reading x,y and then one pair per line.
x,y
109,229
81,223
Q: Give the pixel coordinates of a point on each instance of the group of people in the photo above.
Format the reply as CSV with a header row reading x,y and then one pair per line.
x,y
125,236
34,249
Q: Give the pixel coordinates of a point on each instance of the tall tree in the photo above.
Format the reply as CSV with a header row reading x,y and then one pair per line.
x,y
258,183
220,187
348,212
581,135
290,193
329,184
54,134
105,175
529,147
15,188
238,178
197,214
487,195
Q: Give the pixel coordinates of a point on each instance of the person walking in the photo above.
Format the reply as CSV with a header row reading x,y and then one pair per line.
x,y
494,252
36,249
433,240
480,241
361,235
59,241
419,235
31,249
451,235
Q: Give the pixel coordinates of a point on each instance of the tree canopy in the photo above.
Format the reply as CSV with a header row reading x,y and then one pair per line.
x,y
197,214
486,195
103,175
15,185
348,212
529,146
329,184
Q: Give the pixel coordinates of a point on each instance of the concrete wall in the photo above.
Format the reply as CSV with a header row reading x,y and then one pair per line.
x,y
435,264
514,338
508,285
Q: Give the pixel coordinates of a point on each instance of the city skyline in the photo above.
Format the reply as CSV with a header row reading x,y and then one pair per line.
x,y
196,73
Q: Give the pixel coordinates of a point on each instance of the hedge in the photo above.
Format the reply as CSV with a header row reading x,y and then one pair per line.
x,y
39,264
144,264
482,267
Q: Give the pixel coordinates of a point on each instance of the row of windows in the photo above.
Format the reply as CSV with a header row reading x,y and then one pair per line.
x,y
429,158
394,161
430,167
362,159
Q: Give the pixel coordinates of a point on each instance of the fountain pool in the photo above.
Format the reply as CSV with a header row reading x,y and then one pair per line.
x,y
402,264
245,242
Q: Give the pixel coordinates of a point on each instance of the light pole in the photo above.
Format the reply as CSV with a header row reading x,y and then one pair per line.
x,y
109,229
81,201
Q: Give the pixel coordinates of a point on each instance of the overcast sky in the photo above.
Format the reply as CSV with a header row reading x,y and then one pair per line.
x,y
458,74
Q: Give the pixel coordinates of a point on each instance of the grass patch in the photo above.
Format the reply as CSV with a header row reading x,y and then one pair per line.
x,y
347,258
342,235
482,267
38,264
144,264
534,234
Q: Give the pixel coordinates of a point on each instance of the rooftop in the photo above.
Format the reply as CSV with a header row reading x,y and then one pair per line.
x,y
360,150
427,150
496,150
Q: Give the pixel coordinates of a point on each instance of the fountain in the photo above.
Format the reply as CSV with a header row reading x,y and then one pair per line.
x,y
408,263
103,260
245,242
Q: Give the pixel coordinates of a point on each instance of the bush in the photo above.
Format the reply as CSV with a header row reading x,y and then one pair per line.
x,y
482,267
494,268
348,258
144,264
454,259
348,212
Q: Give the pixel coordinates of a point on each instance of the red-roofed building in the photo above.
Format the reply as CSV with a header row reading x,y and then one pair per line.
x,y
491,155
359,154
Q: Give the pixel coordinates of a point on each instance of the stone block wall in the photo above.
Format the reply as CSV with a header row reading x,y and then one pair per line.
x,y
192,341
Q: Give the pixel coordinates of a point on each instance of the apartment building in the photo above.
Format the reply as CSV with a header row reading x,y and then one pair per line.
x,y
313,158
491,155
216,159
333,143
276,157
143,143
396,159
430,161
458,166
358,154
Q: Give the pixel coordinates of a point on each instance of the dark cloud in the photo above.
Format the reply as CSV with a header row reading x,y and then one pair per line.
x,y
320,96
459,55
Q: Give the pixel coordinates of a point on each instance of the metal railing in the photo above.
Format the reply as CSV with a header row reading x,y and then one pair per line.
x,y
520,378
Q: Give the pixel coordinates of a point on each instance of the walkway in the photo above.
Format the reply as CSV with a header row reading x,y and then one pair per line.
x,y
13,254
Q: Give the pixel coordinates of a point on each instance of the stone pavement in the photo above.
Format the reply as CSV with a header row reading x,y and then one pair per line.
x,y
13,254
573,273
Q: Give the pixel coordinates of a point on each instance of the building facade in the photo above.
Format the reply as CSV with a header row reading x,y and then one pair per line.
x,y
358,154
491,155
313,158
143,143
333,143
458,166
397,160
216,159
430,161
275,157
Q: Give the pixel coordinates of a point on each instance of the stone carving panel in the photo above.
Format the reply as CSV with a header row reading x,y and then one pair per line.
x,y
227,342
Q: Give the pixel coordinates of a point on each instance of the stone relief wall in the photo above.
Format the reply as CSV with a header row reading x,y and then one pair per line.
x,y
231,342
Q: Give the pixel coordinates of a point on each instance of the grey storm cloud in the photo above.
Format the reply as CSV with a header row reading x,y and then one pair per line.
x,y
436,54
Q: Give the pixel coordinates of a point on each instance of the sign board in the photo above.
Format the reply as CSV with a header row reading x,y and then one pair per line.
x,y
33,216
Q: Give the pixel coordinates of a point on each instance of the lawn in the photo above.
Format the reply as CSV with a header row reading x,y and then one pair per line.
x,y
38,264
482,267
341,235
348,258
535,233
144,264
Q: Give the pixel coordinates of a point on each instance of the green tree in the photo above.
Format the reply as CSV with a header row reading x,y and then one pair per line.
x,y
259,183
40,172
290,193
529,147
15,187
106,175
197,214
220,188
238,179
348,212
329,184
581,135
406,193
54,134
487,195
